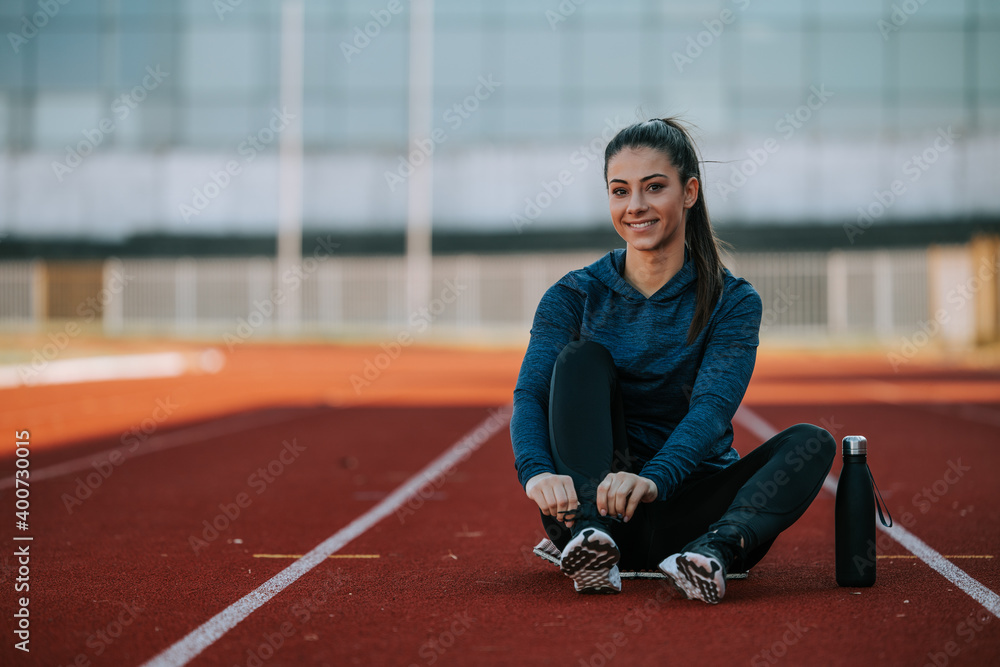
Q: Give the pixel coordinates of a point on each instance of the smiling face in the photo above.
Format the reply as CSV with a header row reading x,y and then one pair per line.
x,y
648,201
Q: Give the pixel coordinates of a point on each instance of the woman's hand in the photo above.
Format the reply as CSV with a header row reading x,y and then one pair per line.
x,y
552,493
621,492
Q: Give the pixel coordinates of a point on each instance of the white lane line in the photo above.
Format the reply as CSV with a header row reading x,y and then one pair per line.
x,y
157,443
205,635
115,367
973,588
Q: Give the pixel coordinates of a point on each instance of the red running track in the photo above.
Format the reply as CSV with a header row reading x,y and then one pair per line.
x,y
120,579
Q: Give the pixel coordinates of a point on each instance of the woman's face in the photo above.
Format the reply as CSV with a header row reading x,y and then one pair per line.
x,y
647,199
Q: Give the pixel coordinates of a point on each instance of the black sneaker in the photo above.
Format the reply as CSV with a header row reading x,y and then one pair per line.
x,y
591,557
699,571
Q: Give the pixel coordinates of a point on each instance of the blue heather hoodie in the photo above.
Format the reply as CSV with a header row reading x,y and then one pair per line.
x,y
679,399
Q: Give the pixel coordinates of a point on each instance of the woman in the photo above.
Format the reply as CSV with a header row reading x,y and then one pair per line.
x,y
622,425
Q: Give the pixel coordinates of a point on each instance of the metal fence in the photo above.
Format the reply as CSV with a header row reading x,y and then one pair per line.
x,y
870,295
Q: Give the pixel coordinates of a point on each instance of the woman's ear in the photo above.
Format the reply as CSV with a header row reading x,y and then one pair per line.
x,y
691,192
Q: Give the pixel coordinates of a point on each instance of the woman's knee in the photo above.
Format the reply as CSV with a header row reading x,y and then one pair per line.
x,y
586,356
811,443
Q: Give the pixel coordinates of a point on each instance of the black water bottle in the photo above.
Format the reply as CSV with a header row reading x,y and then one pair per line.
x,y
855,517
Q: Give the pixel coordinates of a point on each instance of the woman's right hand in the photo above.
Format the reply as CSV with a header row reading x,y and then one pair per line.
x,y
553,494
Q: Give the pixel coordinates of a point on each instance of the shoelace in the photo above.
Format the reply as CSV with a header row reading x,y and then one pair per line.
x,y
587,511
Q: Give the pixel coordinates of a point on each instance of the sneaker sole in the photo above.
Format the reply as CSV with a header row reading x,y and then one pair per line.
x,y
550,553
695,576
591,561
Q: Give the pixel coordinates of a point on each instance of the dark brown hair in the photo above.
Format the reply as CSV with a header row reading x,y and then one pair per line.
x,y
668,136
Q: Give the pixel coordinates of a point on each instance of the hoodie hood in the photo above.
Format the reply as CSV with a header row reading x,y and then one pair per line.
x,y
610,270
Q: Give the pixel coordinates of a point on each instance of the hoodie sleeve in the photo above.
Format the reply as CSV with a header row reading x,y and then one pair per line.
x,y
557,322
722,380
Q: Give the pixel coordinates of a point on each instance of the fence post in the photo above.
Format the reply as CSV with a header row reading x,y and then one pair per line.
x,y
884,315
185,295
39,293
836,292
985,251
113,317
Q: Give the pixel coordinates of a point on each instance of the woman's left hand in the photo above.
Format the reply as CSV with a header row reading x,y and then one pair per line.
x,y
621,492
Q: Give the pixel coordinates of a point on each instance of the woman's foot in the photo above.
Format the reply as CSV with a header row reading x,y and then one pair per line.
x,y
696,576
590,559
699,571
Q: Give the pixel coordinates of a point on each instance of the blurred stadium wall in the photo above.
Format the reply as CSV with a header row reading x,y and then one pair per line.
x,y
139,128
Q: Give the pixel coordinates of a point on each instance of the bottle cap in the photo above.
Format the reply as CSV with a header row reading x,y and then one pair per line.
x,y
855,444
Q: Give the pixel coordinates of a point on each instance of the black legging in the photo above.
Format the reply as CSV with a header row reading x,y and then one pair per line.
x,y
760,495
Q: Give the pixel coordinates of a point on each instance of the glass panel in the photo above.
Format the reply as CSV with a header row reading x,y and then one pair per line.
x,y
11,65
227,12
69,60
925,118
458,57
531,58
13,9
139,50
930,60
988,61
218,62
147,8
537,120
149,125
61,118
462,9
324,63
784,11
216,126
377,124
851,116
851,60
383,64
611,58
770,58
865,11
4,120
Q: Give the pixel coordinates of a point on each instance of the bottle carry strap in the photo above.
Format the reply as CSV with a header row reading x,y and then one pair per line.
x,y
879,502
